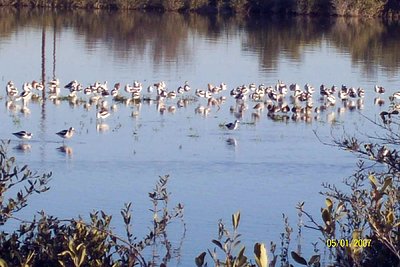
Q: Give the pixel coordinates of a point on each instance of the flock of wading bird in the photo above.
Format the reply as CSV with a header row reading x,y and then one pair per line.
x,y
274,99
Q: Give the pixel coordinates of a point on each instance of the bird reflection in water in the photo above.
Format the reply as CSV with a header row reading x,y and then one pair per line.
x,y
23,147
171,109
231,142
25,110
102,127
379,101
66,150
11,106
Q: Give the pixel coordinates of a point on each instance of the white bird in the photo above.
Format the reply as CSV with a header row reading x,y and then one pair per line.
x,y
379,89
37,85
11,89
137,86
186,87
331,99
128,88
54,83
171,95
103,113
360,92
180,90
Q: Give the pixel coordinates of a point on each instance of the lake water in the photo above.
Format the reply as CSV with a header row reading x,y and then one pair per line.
x,y
264,168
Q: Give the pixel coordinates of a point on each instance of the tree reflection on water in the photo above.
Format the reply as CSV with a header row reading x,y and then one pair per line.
x,y
371,43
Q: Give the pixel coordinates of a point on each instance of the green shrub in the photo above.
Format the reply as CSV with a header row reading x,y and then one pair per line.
x,y
50,241
370,211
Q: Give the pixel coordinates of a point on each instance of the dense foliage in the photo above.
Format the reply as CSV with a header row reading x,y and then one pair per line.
x,y
50,241
359,226
364,8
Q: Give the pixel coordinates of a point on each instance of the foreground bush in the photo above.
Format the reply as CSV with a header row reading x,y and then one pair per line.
x,y
49,241
361,8
370,212
359,226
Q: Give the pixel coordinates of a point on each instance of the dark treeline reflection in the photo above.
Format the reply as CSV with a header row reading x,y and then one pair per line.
x,y
371,43
166,36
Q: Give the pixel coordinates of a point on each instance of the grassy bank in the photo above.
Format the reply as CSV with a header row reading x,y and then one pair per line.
x,y
360,8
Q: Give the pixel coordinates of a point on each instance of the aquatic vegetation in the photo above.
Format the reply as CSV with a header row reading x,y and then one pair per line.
x,y
49,241
11,177
228,242
362,224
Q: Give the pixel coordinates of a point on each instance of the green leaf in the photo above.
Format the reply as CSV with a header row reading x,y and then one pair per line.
x,y
200,259
216,242
79,247
329,203
390,218
24,167
297,258
242,261
326,216
314,259
241,252
261,255
386,183
71,246
66,252
340,208
373,181
3,263
235,220
82,256
29,259
356,234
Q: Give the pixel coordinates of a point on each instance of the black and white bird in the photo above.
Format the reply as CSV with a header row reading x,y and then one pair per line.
x,y
103,113
66,134
24,135
232,125
379,89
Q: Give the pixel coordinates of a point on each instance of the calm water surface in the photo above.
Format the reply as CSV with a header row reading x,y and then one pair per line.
x,y
266,167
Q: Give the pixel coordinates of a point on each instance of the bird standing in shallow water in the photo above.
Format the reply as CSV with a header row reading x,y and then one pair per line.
x,y
66,134
232,125
102,113
23,135
379,89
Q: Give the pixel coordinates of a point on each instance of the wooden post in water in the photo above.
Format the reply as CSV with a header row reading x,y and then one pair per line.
x,y
43,111
54,47
44,61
